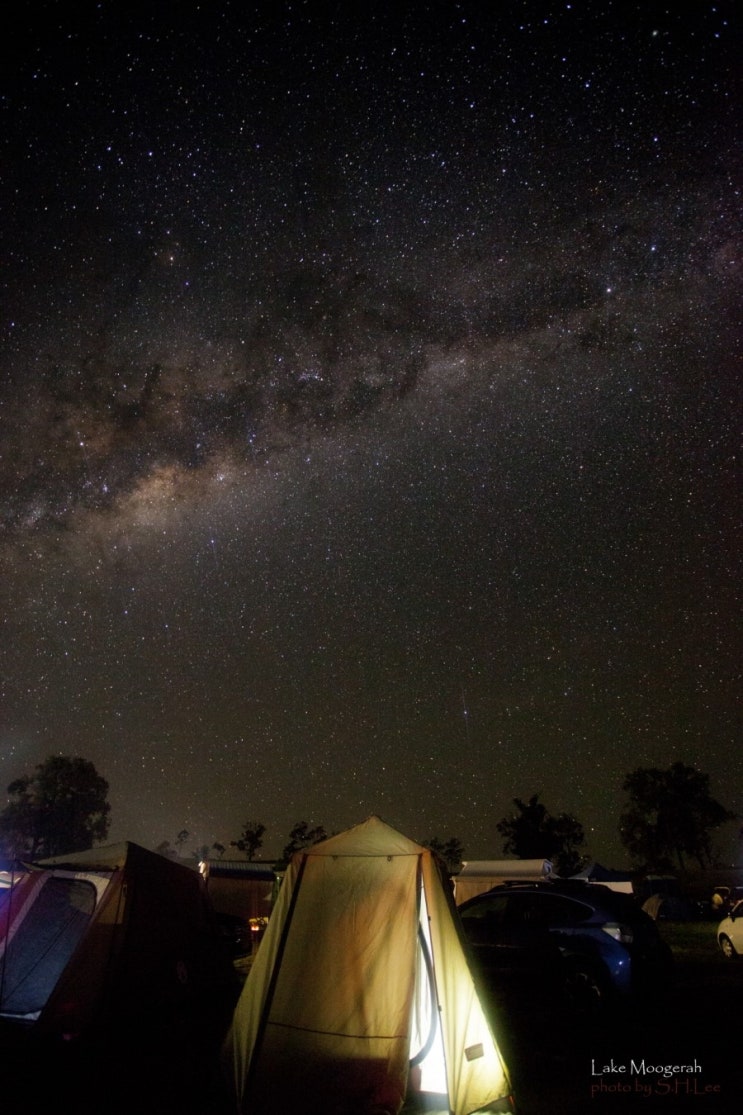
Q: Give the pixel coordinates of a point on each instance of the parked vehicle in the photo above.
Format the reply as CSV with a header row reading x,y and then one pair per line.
x,y
578,941
730,933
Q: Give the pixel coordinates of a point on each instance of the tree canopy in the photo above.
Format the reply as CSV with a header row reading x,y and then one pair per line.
x,y
251,839
670,814
302,836
451,851
62,807
533,833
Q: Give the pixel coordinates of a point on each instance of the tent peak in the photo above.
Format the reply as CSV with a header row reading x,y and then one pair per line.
x,y
372,837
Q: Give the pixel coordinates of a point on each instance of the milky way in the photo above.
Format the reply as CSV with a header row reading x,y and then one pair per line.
x,y
370,410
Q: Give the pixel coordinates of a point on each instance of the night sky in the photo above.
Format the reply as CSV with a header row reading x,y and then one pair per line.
x,y
369,409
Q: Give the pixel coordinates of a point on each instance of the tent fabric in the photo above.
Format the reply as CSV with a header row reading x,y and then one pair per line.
x,y
35,959
597,873
326,1017
143,944
616,880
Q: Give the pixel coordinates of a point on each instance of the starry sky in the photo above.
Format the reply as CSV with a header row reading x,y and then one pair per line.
x,y
369,410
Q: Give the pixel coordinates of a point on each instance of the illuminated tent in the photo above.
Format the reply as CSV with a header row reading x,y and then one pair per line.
x,y
361,992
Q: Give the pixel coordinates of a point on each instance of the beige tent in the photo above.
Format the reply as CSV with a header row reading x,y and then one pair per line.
x,y
361,992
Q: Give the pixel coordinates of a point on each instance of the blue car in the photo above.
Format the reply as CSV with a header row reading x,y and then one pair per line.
x,y
579,944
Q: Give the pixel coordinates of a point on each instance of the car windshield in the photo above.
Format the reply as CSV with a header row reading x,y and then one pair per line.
x,y
540,908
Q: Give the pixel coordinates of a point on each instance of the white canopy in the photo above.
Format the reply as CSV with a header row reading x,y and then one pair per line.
x,y
479,875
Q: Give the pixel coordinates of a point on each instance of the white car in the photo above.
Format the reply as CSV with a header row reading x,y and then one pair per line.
x,y
730,932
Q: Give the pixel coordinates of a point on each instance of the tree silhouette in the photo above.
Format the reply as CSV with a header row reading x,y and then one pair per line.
x,y
251,839
670,815
300,837
451,851
165,848
533,833
62,807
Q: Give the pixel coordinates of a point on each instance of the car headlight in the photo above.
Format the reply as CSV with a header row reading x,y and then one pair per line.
x,y
621,933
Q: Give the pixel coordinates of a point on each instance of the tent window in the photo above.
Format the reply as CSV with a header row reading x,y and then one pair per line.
x,y
5,896
43,945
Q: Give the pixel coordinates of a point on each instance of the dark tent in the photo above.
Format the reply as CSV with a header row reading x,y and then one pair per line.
x,y
115,949
607,876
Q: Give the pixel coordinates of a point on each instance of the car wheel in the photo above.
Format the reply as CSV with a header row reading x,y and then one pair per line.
x,y
584,989
728,951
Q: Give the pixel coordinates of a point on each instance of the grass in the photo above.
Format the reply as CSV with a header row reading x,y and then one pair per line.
x,y
701,969
692,940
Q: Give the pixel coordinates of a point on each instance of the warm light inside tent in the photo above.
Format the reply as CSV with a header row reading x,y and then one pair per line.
x,y
427,1058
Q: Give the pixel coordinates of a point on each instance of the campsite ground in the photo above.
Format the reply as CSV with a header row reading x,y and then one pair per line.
x,y
558,1066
